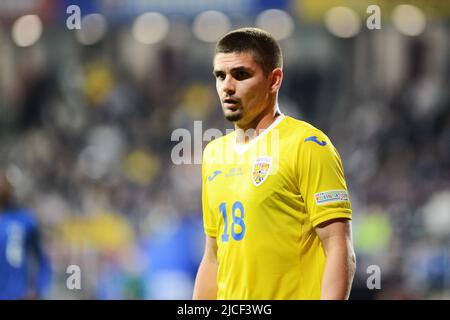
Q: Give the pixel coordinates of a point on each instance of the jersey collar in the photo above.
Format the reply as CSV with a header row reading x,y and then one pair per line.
x,y
241,147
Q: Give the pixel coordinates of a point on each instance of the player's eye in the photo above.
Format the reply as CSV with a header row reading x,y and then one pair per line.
x,y
219,75
241,75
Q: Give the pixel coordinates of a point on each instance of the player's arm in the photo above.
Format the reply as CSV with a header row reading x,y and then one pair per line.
x,y
206,281
340,263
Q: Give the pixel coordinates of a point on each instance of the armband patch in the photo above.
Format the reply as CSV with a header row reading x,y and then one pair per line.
x,y
331,196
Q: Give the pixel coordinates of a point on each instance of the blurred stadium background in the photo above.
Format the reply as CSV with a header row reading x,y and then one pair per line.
x,y
86,118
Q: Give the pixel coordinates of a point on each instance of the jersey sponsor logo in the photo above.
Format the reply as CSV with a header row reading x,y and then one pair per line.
x,y
215,174
316,140
331,196
236,171
261,168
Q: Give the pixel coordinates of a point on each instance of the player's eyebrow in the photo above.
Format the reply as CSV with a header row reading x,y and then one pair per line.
x,y
217,72
240,68
235,69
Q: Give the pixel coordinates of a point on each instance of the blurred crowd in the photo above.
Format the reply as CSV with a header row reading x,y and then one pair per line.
x,y
85,138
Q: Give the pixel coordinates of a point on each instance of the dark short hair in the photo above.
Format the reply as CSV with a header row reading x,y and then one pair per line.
x,y
265,49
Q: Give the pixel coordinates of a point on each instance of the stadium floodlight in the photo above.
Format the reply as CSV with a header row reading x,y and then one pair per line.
x,y
409,20
342,22
278,22
93,29
209,26
150,28
27,30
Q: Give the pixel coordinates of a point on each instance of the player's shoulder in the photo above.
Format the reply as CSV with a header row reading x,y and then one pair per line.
x,y
304,131
218,144
298,124
28,216
22,215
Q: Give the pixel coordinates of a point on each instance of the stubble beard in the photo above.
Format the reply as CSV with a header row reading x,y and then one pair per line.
x,y
235,116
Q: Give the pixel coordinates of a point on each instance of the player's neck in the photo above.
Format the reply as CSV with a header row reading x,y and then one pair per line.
x,y
245,134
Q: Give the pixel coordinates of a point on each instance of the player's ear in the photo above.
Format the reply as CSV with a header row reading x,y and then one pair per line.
x,y
276,77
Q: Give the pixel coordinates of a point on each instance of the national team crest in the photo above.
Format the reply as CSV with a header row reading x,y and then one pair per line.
x,y
261,168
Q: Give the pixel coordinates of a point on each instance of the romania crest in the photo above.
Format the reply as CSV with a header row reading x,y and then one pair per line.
x,y
261,168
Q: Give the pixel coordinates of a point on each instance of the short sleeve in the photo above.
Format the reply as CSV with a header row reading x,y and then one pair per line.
x,y
209,219
322,181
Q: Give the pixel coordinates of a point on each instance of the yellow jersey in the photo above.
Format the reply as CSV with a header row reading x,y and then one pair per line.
x,y
262,201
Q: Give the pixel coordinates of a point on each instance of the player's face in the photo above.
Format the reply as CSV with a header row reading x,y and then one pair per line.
x,y
242,87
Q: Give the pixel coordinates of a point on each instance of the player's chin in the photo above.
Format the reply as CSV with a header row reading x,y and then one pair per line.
x,y
233,116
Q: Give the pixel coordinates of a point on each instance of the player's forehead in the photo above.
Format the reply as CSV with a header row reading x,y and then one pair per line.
x,y
233,60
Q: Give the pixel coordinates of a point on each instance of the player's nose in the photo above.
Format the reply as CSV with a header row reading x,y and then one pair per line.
x,y
228,85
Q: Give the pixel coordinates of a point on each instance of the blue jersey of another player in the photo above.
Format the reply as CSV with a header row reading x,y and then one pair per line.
x,y
24,267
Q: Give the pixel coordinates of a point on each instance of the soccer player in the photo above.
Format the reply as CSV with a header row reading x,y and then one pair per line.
x,y
24,267
276,209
